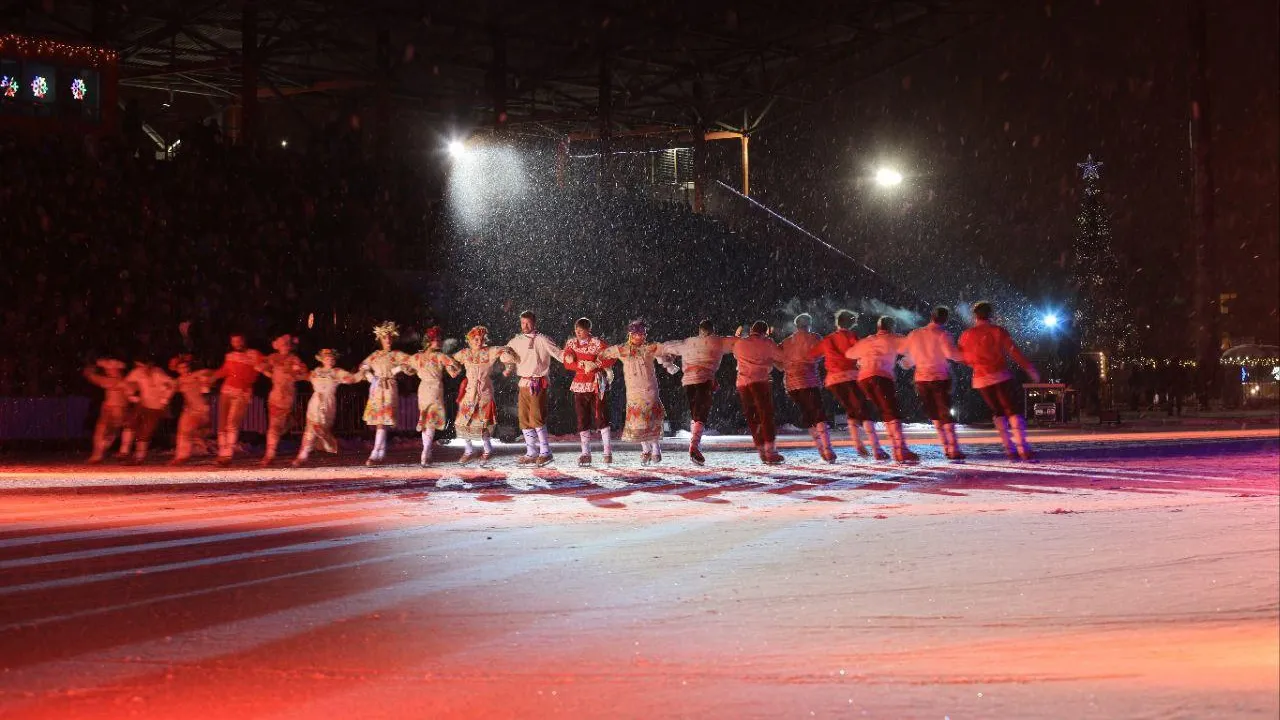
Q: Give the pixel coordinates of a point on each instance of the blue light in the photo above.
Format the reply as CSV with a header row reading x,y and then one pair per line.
x,y
1050,320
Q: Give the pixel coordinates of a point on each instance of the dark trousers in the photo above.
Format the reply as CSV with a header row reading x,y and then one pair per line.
x,y
880,391
999,398
699,396
850,397
591,411
757,405
936,397
810,402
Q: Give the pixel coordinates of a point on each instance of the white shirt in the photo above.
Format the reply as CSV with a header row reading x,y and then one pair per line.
x,y
799,370
154,386
700,356
929,349
757,357
876,354
535,352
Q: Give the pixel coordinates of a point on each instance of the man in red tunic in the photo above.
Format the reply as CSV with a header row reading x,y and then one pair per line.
x,y
987,348
590,382
842,381
238,373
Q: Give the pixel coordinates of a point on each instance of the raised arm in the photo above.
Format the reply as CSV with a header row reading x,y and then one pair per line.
x,y
1016,355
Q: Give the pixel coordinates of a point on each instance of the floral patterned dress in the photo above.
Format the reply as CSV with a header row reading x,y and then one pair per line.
x,y
429,366
194,422
477,414
322,408
381,367
644,407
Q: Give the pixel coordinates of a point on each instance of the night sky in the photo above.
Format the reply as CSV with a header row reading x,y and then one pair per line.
x,y
989,128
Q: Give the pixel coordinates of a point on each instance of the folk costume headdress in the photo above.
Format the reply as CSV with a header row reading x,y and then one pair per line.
x,y
387,329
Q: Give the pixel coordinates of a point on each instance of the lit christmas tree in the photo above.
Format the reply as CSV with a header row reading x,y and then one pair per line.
x,y
1102,319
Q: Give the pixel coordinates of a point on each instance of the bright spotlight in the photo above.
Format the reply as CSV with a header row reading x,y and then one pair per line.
x,y
1050,320
888,177
457,148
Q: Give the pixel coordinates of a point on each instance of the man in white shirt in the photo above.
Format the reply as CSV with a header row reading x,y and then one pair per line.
x,y
700,358
877,355
758,356
535,351
153,388
930,350
801,379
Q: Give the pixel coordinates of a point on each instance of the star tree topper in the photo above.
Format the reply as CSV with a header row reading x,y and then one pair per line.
x,y
1089,168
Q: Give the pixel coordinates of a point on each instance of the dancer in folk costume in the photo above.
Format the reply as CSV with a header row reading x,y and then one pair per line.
x,y
929,350
700,358
286,370
430,366
590,383
536,351
644,407
842,382
477,414
238,373
322,408
193,423
108,374
801,378
985,347
153,388
758,356
380,369
876,356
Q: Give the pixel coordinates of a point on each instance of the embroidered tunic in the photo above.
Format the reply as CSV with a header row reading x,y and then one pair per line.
x,y
429,366
284,370
194,386
644,408
577,352
477,414
381,368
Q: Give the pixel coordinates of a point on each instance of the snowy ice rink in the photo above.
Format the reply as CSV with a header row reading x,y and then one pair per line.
x,y
1125,575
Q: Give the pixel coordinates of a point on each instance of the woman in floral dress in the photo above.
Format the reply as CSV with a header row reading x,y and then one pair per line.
x,y
477,415
322,408
380,369
286,370
430,365
193,423
644,407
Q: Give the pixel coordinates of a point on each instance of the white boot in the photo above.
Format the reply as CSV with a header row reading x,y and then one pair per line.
x,y
606,440
823,437
530,446
428,437
1002,429
1018,428
956,453
874,440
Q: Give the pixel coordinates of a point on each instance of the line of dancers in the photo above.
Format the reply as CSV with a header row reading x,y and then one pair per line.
x,y
859,373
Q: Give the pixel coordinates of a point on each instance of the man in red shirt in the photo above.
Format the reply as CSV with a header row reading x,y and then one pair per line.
x,y
987,347
238,373
842,381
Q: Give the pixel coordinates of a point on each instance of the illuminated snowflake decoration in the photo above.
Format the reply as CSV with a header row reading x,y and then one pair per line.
x,y
9,86
39,87
79,89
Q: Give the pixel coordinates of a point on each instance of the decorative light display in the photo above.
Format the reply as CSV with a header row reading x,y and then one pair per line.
x,y
79,89
1102,316
9,87
39,87
41,47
